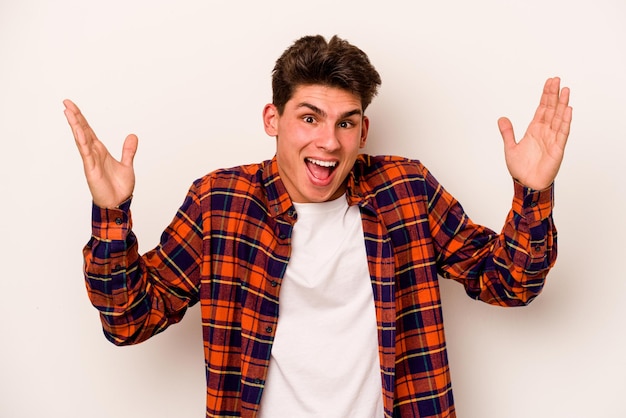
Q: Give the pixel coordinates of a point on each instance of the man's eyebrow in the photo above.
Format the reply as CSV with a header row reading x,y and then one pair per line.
x,y
313,108
321,112
351,113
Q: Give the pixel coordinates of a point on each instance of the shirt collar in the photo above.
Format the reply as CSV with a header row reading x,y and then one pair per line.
x,y
278,199
355,190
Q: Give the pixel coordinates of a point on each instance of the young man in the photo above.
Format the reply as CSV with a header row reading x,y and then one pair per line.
x,y
316,271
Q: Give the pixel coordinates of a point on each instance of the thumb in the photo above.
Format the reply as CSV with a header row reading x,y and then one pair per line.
x,y
129,149
506,130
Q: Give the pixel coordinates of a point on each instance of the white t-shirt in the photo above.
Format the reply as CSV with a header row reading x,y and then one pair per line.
x,y
324,360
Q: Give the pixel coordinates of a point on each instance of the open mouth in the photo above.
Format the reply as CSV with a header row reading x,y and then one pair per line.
x,y
321,170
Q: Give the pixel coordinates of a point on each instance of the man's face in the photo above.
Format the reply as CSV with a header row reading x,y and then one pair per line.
x,y
318,138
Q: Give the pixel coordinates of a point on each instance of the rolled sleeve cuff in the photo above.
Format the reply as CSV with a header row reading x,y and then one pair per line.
x,y
111,224
533,205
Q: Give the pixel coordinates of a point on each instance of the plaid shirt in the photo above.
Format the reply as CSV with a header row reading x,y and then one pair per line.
x,y
228,247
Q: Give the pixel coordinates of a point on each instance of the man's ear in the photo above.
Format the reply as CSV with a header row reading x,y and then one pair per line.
x,y
270,119
364,129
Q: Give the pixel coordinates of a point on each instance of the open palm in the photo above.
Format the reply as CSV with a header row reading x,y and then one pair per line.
x,y
110,181
535,160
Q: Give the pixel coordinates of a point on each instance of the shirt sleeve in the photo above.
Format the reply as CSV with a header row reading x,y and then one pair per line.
x,y
139,296
508,268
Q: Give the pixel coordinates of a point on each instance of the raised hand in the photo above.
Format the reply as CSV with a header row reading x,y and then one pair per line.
x,y
535,160
110,181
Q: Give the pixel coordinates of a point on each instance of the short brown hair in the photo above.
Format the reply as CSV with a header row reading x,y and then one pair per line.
x,y
336,63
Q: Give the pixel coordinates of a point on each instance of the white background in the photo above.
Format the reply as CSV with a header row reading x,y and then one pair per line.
x,y
190,78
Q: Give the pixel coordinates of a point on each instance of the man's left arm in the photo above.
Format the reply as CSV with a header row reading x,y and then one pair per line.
x,y
510,268
507,269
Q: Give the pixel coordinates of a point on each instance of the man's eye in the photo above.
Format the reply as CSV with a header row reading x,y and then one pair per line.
x,y
309,119
345,124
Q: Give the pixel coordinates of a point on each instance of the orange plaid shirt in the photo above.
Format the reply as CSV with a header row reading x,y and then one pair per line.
x,y
228,247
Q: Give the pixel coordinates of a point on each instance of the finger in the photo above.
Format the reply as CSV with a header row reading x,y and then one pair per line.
x,y
564,128
553,97
70,105
77,131
506,130
84,136
129,149
70,113
553,92
80,120
77,121
560,109
82,140
549,101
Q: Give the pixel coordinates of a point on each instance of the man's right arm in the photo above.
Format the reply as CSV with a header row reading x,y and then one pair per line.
x,y
140,296
137,296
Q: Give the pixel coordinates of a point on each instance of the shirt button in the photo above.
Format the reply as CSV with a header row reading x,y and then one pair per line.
x,y
269,330
274,283
118,221
282,236
257,381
